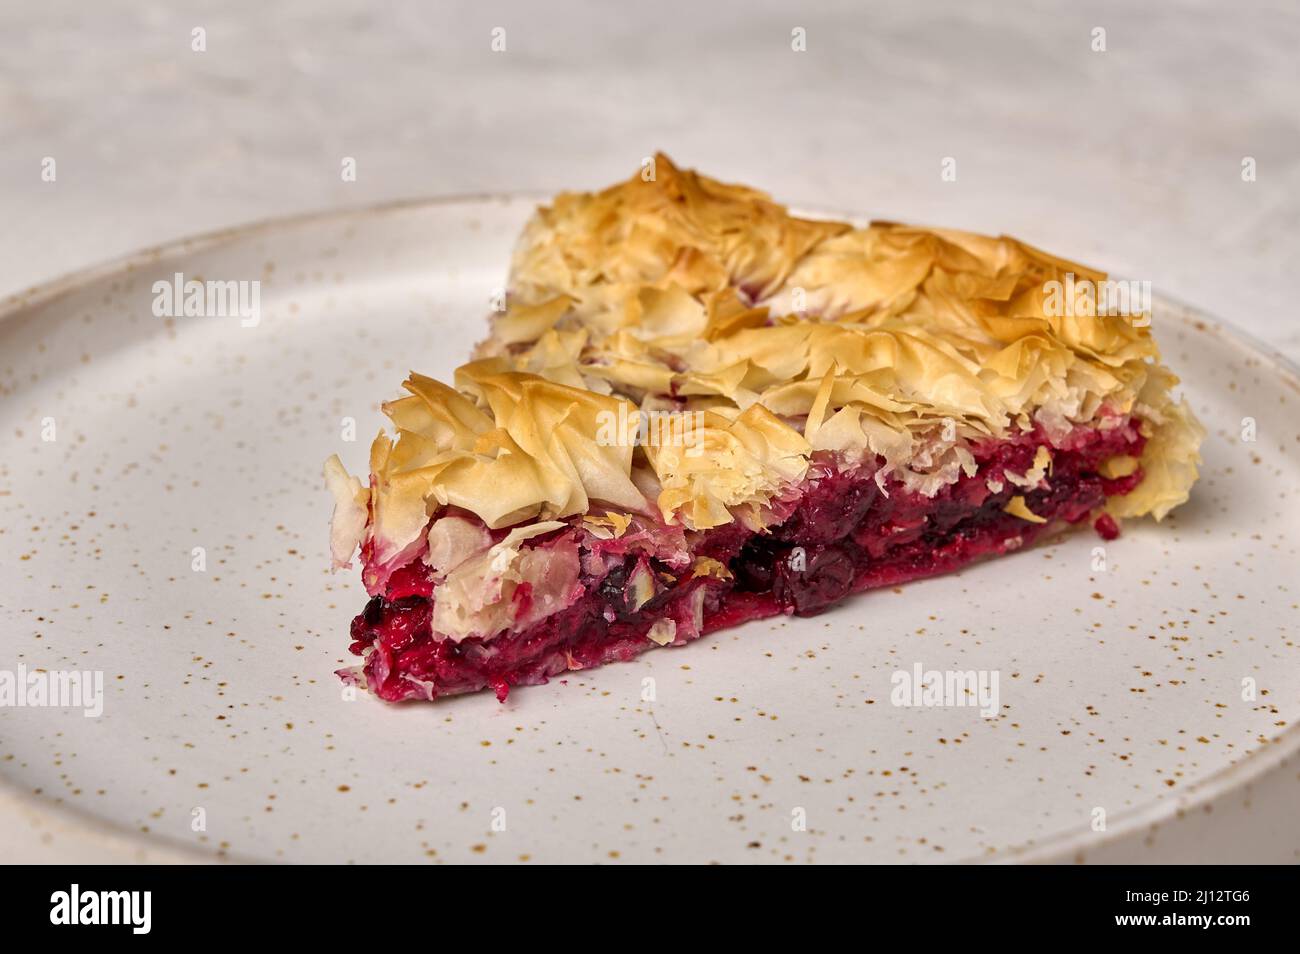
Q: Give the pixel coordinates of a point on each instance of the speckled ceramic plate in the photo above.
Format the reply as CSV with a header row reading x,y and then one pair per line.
x,y
1148,692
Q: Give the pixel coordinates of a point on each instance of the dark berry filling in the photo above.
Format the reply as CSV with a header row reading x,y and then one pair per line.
x,y
843,534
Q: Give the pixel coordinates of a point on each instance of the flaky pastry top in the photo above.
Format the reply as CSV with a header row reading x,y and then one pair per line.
x,y
772,337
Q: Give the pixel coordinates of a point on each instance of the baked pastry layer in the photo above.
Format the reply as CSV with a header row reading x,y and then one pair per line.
x,y
684,362
581,593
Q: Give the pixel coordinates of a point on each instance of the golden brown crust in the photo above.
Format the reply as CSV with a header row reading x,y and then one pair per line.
x,y
788,335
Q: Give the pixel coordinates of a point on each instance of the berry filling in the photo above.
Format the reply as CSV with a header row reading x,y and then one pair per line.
x,y
839,532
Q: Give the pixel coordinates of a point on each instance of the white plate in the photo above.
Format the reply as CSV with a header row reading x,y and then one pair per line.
x,y
1121,690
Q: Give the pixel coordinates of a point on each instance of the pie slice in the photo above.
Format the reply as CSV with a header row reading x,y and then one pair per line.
x,y
699,410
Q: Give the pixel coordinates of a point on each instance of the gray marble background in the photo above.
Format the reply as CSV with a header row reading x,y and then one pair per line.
x,y
1128,159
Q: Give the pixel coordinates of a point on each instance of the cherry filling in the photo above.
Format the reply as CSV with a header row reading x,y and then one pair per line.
x,y
841,535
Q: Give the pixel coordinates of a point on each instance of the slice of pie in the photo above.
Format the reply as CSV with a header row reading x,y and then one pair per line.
x,y
699,410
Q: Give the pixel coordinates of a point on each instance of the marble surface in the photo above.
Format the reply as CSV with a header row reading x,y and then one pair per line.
x,y
1129,159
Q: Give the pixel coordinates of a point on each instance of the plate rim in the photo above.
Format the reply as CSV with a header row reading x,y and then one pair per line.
x,y
1061,847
